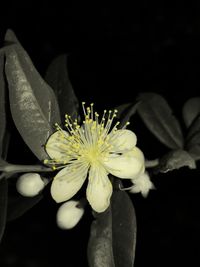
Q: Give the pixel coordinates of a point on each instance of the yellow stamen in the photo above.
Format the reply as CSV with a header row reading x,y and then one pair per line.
x,y
87,143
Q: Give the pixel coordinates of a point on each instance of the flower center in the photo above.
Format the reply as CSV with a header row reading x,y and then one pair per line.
x,y
90,142
92,155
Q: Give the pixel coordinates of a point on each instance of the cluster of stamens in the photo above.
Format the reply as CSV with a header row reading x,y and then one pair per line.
x,y
88,142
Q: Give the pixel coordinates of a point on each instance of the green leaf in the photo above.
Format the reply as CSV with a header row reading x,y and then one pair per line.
x,y
175,160
58,78
100,251
191,115
18,205
191,110
3,205
2,103
33,104
157,116
6,143
193,137
125,112
113,234
4,133
194,151
123,229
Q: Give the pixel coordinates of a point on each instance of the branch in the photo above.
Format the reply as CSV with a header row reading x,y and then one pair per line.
x,y
151,163
13,168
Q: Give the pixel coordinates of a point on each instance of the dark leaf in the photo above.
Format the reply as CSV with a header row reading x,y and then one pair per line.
x,y
123,229
6,142
100,251
194,151
58,78
4,134
2,103
158,117
193,136
123,109
3,205
194,140
33,103
125,112
113,234
191,110
18,205
175,160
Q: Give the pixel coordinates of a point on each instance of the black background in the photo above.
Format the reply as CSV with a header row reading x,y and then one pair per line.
x,y
115,53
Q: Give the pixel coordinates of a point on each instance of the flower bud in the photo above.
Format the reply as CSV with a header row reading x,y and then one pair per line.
x,y
69,214
142,184
30,184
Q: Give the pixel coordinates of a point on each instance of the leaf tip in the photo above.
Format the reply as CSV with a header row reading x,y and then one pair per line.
x,y
10,37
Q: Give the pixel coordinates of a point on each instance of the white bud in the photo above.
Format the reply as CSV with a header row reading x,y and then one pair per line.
x,y
142,184
69,214
30,184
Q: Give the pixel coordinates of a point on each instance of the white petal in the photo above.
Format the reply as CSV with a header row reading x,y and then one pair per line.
x,y
123,140
128,165
142,184
55,145
99,189
30,184
69,214
68,181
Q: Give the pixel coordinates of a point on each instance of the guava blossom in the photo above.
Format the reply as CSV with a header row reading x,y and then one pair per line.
x,y
93,149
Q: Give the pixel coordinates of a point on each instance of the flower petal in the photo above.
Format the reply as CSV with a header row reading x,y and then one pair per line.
x,y
128,165
123,140
69,214
55,143
99,189
142,184
68,181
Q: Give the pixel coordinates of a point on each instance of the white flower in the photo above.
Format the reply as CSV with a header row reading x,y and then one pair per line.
x,y
142,184
30,184
69,214
94,149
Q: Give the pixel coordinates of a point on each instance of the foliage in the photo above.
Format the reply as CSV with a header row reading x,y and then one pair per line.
x,y
36,105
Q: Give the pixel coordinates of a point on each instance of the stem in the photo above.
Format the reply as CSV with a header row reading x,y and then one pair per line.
x,y
125,188
23,168
151,163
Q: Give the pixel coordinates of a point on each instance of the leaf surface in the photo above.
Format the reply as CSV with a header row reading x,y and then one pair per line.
x,y
57,77
157,116
18,205
191,110
3,205
113,234
33,104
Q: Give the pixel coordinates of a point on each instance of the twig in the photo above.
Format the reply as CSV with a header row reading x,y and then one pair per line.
x,y
151,163
13,168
